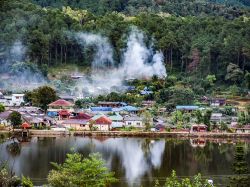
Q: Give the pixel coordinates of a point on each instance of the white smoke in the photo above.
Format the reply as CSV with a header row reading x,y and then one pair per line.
x,y
104,52
17,74
138,61
17,52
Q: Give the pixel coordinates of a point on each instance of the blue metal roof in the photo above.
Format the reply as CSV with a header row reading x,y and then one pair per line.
x,y
188,107
96,109
52,113
146,92
130,108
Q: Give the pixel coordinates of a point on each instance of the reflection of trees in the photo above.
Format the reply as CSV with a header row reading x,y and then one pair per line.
x,y
14,148
223,148
240,168
145,146
204,154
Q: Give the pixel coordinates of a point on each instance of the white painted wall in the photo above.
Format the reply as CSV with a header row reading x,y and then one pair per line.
x,y
101,127
137,124
17,99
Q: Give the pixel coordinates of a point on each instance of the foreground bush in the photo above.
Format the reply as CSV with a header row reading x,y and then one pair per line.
x,y
80,171
173,181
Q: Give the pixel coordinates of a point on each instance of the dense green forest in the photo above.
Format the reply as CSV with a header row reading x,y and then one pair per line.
x,y
215,44
227,8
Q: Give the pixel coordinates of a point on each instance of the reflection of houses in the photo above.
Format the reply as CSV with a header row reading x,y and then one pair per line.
x,y
187,108
198,143
198,128
133,121
111,104
101,122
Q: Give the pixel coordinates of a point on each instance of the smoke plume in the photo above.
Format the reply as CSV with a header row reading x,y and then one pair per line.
x,y
138,61
17,74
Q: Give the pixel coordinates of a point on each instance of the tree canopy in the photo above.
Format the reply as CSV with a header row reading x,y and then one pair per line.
x,y
80,171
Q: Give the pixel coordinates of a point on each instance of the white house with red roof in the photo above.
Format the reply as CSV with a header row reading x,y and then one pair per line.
x,y
101,122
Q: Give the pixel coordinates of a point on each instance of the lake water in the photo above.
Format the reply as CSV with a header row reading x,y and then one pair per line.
x,y
135,161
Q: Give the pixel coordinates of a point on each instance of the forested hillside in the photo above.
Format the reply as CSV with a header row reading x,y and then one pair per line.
x,y
227,8
192,45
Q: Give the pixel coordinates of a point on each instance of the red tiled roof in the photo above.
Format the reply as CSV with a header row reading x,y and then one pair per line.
x,y
26,125
103,120
61,102
64,113
82,115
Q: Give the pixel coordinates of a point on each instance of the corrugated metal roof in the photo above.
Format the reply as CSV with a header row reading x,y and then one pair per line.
x,y
187,107
101,109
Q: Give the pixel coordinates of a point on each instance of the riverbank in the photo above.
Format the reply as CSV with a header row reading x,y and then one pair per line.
x,y
133,134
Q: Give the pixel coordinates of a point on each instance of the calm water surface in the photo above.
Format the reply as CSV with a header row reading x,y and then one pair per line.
x,y
135,161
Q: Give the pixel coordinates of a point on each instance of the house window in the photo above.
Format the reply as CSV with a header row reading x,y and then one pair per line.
x,y
129,123
82,125
138,123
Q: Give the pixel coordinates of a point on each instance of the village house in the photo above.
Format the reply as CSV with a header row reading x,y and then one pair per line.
x,y
80,115
117,120
244,129
69,98
63,114
111,104
198,128
37,121
133,121
146,91
76,124
97,110
77,121
216,117
126,110
4,118
216,102
187,108
101,122
12,100
148,103
55,107
17,99
36,111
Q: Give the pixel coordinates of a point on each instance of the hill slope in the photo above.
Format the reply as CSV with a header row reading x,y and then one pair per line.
x,y
176,7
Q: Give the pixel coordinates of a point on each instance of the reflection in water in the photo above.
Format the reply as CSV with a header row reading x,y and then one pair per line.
x,y
240,168
135,161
